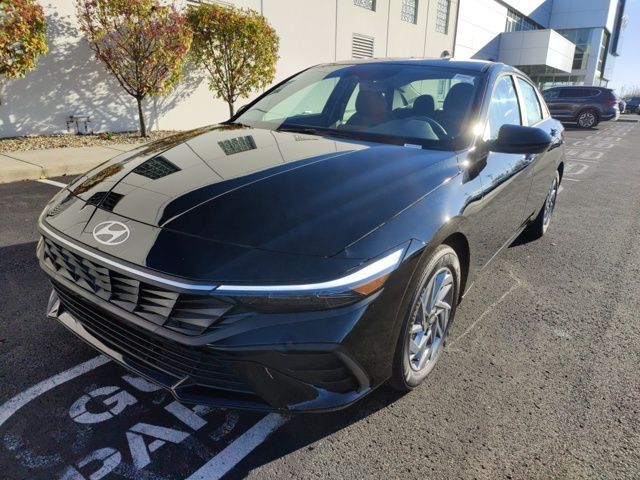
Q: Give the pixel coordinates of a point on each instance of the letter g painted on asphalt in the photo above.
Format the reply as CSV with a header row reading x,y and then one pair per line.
x,y
117,400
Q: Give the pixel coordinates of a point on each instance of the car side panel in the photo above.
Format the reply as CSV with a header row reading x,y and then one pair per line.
x,y
545,166
451,208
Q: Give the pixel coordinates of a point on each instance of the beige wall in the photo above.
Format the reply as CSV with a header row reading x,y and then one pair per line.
x,y
69,80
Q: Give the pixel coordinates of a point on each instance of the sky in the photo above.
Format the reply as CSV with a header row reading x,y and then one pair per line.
x,y
626,71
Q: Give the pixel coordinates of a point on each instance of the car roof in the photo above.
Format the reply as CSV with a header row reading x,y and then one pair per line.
x,y
571,87
472,65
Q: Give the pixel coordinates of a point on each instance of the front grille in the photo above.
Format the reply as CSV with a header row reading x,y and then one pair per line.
x,y
204,366
185,313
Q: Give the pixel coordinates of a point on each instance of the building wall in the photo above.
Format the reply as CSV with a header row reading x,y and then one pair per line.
x,y
594,14
583,14
68,80
481,24
538,10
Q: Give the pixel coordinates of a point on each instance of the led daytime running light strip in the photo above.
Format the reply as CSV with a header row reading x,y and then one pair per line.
x,y
383,266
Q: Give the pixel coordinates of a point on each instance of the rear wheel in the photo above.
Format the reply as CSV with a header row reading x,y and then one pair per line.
x,y
587,119
539,226
426,325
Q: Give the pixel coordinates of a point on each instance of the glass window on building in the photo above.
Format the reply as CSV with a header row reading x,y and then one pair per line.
x,y
409,11
368,4
517,22
581,37
602,56
531,102
442,16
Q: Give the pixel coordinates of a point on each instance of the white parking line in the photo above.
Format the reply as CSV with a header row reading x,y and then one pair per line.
x,y
518,283
242,446
570,179
215,468
16,403
51,182
578,159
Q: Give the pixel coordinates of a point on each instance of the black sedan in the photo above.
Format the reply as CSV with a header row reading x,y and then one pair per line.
x,y
316,245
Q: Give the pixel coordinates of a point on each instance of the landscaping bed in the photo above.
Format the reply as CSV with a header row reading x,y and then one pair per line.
x,y
39,142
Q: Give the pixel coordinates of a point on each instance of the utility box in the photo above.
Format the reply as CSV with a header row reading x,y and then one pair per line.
x,y
82,123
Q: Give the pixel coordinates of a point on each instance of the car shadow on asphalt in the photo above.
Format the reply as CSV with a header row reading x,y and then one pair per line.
x,y
303,430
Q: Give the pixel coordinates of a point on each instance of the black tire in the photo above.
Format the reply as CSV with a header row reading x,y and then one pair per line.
x,y
406,377
588,118
540,224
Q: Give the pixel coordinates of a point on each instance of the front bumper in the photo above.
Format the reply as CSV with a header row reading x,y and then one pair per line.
x,y
308,361
302,377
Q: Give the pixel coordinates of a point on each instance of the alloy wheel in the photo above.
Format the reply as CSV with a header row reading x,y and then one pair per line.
x,y
430,321
550,204
587,120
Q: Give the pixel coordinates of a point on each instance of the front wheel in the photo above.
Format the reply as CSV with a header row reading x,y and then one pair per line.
x,y
427,322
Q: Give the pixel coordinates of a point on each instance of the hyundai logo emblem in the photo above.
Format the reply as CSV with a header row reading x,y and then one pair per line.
x,y
111,233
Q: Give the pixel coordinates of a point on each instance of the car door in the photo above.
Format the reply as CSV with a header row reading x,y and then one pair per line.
x,y
544,164
559,101
505,178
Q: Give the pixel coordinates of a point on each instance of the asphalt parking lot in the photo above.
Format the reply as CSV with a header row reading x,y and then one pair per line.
x,y
540,378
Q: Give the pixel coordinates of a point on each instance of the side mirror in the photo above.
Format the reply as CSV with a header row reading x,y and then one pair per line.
x,y
520,139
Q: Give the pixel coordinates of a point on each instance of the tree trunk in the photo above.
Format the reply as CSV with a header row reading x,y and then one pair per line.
x,y
143,127
231,111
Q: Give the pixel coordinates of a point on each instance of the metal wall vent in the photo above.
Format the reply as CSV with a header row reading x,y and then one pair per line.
x,y
361,46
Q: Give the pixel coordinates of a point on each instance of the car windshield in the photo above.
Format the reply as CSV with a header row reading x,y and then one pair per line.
x,y
395,103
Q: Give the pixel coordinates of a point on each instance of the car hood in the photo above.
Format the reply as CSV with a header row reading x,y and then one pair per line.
x,y
260,189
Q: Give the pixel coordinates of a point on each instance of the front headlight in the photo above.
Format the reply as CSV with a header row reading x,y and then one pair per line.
x,y
316,296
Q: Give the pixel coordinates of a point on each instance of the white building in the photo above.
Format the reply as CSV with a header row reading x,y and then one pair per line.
x,y
68,80
557,42
554,41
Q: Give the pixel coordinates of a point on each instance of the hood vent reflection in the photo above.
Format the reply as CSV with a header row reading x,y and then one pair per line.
x,y
156,167
105,200
237,145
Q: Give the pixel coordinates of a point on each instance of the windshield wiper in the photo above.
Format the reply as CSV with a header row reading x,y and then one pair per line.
x,y
238,124
298,129
324,132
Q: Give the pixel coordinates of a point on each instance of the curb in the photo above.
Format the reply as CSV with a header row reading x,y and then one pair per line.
x,y
56,162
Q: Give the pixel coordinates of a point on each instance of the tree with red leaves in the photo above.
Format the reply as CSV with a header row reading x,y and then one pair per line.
x,y
23,37
141,42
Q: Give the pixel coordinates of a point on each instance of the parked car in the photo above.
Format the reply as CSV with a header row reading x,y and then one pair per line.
x,y
622,105
584,106
633,105
314,246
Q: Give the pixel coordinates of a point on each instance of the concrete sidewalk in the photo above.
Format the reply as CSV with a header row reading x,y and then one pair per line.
x,y
55,162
